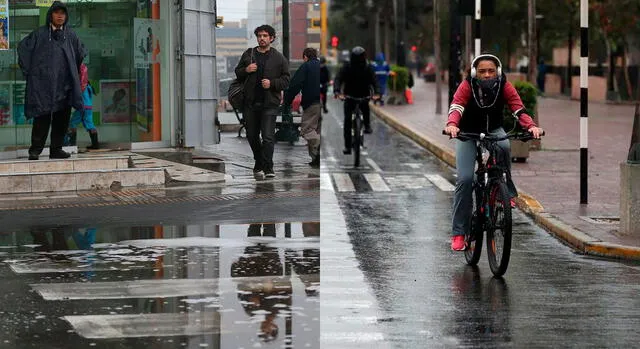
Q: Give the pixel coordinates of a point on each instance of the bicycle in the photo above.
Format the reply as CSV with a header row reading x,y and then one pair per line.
x,y
491,208
357,130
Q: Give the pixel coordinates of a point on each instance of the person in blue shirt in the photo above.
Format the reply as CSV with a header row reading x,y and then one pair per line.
x,y
84,116
382,70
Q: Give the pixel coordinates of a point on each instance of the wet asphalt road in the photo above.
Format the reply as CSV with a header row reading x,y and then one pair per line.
x,y
390,267
231,265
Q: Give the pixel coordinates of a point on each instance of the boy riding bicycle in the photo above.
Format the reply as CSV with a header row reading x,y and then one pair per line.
x,y
477,106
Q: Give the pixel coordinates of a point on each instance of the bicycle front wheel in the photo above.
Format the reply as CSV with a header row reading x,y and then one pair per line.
x,y
473,237
499,228
357,139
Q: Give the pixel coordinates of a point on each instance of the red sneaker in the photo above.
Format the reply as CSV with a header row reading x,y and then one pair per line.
x,y
457,243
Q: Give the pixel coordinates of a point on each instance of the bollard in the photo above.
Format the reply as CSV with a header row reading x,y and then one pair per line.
x,y
630,183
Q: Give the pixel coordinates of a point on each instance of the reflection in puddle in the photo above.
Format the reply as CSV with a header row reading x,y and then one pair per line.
x,y
228,286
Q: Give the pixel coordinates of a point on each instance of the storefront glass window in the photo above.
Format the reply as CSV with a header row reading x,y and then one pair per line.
x,y
126,49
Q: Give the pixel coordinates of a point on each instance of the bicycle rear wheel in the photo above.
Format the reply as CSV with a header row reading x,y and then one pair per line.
x,y
499,229
473,237
357,139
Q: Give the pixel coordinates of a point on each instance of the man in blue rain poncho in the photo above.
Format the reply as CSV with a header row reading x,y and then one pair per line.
x,y
382,70
50,59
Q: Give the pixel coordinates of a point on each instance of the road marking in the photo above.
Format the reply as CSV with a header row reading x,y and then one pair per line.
x,y
376,182
341,327
325,182
145,325
374,165
153,288
440,182
343,182
413,165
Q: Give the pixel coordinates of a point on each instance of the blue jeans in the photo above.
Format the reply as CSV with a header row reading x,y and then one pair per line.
x,y
86,118
465,166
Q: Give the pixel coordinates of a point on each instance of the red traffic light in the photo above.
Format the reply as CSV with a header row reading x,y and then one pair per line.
x,y
414,48
334,41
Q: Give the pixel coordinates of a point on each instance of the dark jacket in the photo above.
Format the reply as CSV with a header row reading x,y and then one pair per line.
x,y
276,70
307,79
50,62
484,119
325,77
356,81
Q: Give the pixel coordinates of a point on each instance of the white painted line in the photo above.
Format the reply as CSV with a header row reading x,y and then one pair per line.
x,y
373,165
325,182
363,153
376,182
343,182
340,326
153,288
413,165
440,182
145,325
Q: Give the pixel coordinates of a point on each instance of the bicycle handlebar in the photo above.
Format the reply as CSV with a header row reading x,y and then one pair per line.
x,y
522,136
357,99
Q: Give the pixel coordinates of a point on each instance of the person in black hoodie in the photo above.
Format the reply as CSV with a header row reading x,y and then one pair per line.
x,y
325,78
307,79
356,79
50,59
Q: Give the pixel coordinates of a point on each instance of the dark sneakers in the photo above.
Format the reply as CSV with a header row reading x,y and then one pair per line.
x,y
59,154
257,171
268,173
33,156
368,130
346,151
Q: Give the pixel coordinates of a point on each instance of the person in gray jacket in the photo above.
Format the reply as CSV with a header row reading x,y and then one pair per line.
x,y
50,59
265,72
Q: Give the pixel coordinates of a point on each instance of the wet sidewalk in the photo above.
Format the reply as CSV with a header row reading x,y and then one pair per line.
x,y
549,182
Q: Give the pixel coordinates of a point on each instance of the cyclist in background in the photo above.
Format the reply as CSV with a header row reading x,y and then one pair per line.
x,y
477,107
356,79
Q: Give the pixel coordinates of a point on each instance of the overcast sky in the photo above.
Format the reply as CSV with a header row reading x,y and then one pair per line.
x,y
232,10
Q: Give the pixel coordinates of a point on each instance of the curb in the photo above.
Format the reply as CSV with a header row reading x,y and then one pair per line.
x,y
576,239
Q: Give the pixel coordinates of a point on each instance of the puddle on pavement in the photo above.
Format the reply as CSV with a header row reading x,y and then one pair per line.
x,y
191,286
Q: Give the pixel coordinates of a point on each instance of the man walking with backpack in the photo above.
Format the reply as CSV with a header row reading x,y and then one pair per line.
x,y
265,73
307,79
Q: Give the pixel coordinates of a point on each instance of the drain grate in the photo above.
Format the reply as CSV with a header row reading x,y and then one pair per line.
x,y
148,199
601,220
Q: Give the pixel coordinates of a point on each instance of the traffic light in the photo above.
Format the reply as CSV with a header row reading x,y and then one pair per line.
x,y
334,41
414,48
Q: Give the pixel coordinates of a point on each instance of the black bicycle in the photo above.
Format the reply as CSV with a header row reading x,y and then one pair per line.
x,y
357,128
491,202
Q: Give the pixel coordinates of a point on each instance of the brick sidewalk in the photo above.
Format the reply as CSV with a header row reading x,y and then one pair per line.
x,y
551,175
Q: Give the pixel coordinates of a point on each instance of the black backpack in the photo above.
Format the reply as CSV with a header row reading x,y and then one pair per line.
x,y
235,94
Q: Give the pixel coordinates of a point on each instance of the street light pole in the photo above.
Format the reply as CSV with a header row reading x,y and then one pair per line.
x,y
584,94
285,28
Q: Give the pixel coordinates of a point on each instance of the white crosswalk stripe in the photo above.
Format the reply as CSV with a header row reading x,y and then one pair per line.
x,y
376,182
343,182
440,182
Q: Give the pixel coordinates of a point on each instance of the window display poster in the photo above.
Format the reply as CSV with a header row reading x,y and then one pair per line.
x,y
115,99
4,24
146,42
